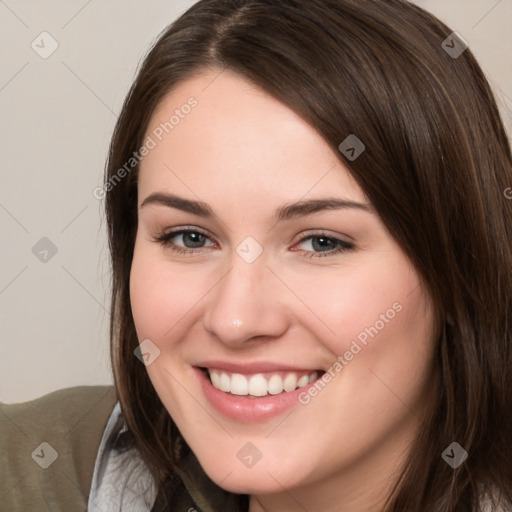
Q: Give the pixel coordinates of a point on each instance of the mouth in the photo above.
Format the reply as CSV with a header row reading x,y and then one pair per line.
x,y
261,384
254,392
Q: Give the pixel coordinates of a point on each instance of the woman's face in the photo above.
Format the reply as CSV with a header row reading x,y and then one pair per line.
x,y
286,272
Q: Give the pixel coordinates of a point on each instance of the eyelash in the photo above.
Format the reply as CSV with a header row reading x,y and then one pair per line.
x,y
165,240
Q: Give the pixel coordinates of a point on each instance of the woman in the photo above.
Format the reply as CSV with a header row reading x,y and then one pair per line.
x,y
312,267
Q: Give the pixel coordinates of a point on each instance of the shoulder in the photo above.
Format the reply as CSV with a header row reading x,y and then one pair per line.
x,y
48,448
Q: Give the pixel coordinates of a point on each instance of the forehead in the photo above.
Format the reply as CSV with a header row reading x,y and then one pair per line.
x,y
217,134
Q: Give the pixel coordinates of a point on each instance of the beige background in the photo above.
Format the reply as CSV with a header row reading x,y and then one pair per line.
x,y
57,117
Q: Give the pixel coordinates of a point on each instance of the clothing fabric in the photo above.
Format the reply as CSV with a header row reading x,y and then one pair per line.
x,y
120,481
58,453
48,447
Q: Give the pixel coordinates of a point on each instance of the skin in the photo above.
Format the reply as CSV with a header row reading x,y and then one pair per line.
x,y
246,154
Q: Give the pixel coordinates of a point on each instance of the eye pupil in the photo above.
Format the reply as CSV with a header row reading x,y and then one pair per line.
x,y
197,239
326,243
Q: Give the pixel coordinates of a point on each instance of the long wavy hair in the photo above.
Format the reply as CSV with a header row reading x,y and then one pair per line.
x,y
437,167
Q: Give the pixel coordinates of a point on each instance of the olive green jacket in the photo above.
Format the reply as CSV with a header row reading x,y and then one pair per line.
x,y
48,450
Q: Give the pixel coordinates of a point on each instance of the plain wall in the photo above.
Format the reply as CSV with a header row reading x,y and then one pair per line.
x,y
57,117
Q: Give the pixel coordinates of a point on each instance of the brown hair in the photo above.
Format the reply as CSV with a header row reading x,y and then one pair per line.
x,y
435,167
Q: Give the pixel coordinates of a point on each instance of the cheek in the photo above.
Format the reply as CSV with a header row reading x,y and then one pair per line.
x,y
157,294
358,302
160,300
383,323
376,321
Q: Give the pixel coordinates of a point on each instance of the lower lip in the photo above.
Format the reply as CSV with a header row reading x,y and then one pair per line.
x,y
249,410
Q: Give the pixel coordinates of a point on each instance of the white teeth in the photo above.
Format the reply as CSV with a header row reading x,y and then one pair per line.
x,y
215,379
239,385
275,385
303,381
258,384
224,383
290,382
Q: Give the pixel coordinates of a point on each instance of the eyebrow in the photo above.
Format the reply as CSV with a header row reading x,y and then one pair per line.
x,y
285,212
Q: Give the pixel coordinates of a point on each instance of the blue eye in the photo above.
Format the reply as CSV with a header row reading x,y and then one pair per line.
x,y
193,241
326,245
193,238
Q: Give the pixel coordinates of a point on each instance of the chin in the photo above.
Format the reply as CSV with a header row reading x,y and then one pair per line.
x,y
266,477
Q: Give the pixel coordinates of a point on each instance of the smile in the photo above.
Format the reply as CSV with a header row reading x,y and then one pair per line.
x,y
260,384
254,392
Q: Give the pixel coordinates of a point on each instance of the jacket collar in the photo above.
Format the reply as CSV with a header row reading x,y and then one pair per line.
x,y
121,480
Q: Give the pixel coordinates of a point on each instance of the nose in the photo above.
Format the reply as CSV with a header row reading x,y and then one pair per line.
x,y
248,303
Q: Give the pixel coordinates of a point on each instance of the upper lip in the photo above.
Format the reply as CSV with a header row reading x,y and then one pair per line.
x,y
249,368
